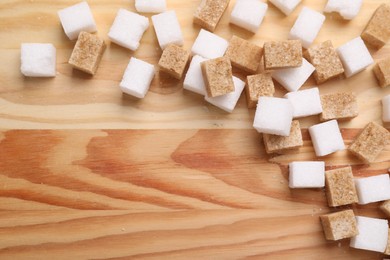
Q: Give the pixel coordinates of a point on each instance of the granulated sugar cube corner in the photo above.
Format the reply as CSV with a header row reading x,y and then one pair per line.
x,y
326,138
147,6
307,174
167,28
373,189
193,80
305,102
38,60
209,45
248,14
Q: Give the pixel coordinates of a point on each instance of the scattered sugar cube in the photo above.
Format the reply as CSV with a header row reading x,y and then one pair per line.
x,y
87,53
386,109
286,6
340,187
150,6
370,143
248,14
209,45
307,26
228,102
373,189
244,54
218,77
77,18
326,138
194,78
339,225
174,60
306,175
283,54
377,31
385,207
355,56
373,234
260,85
38,60
279,144
137,78
273,116
346,8
339,106
294,78
167,28
209,12
382,72
305,102
326,62
128,28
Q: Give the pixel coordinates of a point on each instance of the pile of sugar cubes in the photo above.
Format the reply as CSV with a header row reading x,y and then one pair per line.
x,y
207,69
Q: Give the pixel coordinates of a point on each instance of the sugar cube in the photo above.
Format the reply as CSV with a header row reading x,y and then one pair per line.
x,y
279,144
387,251
385,207
307,26
258,86
326,138
248,14
174,60
355,56
373,189
386,109
77,18
340,187
326,62
305,102
137,78
370,143
244,54
167,28
306,174
128,28
228,102
87,53
373,234
346,8
209,45
194,78
218,77
286,6
209,12
282,54
339,106
150,6
339,225
294,78
273,116
38,60
382,72
377,31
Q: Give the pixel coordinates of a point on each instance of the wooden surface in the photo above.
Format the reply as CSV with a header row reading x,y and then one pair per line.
x,y
171,176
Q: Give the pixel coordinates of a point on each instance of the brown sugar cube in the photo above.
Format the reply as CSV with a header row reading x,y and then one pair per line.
x,y
278,144
382,72
340,187
339,106
244,55
385,207
87,53
209,12
174,60
326,62
284,54
387,251
370,143
258,86
339,225
377,31
218,76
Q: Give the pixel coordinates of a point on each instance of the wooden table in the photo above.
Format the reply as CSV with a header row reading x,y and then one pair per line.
x,y
89,173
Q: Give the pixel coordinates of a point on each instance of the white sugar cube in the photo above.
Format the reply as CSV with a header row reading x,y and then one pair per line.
x,y
77,18
305,102
326,138
307,175
228,101
373,234
128,28
38,60
286,6
348,9
386,109
307,26
150,6
373,189
355,56
194,78
273,116
209,45
248,14
293,79
137,78
167,28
